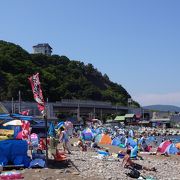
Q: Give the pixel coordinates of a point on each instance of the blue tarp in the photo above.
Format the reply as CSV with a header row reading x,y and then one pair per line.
x,y
14,151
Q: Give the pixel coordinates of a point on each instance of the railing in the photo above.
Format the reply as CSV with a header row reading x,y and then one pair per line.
x,y
88,102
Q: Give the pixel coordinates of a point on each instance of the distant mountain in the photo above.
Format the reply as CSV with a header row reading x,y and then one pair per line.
x,y
170,108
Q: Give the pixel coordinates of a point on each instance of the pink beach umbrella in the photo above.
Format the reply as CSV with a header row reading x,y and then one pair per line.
x,y
68,124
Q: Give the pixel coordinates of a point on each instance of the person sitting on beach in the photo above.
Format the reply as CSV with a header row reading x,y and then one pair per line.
x,y
128,163
82,145
94,145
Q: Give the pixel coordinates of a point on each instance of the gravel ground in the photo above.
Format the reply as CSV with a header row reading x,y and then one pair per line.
x,y
85,165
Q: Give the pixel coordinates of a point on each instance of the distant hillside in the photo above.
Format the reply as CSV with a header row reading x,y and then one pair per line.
x,y
61,78
170,108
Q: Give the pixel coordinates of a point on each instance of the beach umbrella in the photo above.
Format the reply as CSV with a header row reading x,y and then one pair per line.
x,y
178,145
68,124
60,124
15,122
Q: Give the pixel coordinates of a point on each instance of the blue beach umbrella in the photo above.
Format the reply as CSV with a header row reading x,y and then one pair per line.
x,y
60,124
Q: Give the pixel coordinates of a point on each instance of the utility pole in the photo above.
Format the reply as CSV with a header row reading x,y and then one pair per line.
x,y
19,101
94,116
12,105
78,113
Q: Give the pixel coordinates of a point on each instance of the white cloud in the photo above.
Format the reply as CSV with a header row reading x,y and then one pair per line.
x,y
164,99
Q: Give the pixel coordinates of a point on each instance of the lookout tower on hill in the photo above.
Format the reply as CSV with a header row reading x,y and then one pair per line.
x,y
44,48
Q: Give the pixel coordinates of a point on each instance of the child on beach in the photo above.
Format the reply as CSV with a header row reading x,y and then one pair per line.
x,y
63,137
128,163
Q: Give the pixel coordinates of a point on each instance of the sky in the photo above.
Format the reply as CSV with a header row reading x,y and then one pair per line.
x,y
136,43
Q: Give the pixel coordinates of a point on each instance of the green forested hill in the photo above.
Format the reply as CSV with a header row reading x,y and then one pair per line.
x,y
61,78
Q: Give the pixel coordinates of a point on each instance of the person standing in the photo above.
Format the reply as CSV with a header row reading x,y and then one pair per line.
x,y
63,137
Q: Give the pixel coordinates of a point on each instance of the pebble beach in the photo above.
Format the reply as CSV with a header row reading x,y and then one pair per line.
x,y
86,165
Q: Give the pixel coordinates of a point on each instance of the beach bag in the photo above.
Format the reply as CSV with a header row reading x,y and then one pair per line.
x,y
133,173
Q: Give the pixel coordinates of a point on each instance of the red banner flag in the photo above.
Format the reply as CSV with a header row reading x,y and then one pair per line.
x,y
36,89
25,112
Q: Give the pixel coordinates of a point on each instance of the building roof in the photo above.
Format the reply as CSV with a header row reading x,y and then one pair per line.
x,y
129,115
119,118
160,120
42,45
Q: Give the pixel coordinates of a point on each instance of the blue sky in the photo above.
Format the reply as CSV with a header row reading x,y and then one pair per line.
x,y
136,43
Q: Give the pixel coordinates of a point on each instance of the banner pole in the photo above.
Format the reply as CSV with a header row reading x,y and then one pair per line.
x,y
46,129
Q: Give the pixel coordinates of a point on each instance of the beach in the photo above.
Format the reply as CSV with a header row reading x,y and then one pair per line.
x,y
86,165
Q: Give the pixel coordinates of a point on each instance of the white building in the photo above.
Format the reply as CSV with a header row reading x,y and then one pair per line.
x,y
44,48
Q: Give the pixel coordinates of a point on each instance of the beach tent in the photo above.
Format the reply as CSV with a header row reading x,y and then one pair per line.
x,y
106,139
171,149
116,141
162,147
131,142
87,135
98,138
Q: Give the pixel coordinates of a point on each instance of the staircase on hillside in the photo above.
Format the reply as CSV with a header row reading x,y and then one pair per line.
x,y
3,109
